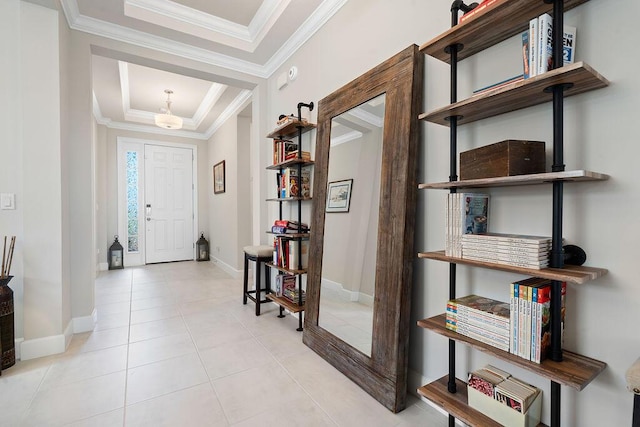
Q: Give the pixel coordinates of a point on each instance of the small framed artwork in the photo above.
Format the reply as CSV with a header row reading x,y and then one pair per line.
x,y
218,178
339,195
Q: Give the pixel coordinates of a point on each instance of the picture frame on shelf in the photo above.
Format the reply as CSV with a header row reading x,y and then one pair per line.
x,y
339,195
219,178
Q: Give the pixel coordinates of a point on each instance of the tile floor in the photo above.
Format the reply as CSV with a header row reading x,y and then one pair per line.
x,y
174,346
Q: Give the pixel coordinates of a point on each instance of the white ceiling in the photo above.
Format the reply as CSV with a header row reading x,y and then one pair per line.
x,y
252,37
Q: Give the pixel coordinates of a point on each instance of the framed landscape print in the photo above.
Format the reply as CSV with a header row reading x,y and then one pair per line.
x,y
339,195
218,178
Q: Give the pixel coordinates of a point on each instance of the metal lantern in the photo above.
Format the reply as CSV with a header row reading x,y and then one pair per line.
x,y
116,255
202,249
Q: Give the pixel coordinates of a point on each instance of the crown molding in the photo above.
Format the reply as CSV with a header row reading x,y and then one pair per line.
x,y
350,136
367,117
100,28
234,108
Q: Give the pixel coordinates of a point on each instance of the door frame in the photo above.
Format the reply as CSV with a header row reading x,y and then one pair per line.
x,y
125,144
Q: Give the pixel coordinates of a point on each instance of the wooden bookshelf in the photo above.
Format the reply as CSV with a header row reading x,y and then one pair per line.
x,y
570,273
504,19
531,179
575,371
456,404
286,303
519,94
288,199
287,270
291,235
290,129
290,163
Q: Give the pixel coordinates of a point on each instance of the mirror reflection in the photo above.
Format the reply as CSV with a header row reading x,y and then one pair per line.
x,y
351,224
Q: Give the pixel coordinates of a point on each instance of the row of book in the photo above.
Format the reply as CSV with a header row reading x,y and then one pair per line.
x,y
537,46
292,185
285,226
287,286
291,254
284,150
466,213
516,250
504,389
480,318
530,318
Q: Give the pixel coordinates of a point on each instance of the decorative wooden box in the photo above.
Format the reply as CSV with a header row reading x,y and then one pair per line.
x,y
505,158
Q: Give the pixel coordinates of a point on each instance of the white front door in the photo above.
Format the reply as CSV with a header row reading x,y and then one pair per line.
x,y
168,203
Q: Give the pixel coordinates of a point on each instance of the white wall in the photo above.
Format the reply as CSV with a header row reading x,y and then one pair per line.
x,y
32,157
600,217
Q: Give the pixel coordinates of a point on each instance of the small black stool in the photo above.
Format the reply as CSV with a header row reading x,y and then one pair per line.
x,y
258,254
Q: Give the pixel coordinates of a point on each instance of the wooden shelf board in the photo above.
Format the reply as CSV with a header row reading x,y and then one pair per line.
x,y
288,199
291,129
504,19
531,179
456,404
287,270
570,273
292,235
574,371
291,162
286,303
518,95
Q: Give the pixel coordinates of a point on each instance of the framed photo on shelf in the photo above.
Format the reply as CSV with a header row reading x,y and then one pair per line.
x,y
339,196
218,178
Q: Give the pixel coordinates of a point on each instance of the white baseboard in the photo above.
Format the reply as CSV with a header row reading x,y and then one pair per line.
x,y
103,266
55,344
236,274
345,294
85,323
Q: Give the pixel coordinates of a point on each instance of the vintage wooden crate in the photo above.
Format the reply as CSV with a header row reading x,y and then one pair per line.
x,y
504,158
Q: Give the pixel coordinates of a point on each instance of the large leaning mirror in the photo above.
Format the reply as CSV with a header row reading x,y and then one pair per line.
x,y
363,215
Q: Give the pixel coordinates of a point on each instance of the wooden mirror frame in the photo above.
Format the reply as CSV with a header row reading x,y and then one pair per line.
x,y
384,374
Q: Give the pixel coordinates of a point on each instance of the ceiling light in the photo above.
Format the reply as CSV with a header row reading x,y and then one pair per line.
x,y
167,120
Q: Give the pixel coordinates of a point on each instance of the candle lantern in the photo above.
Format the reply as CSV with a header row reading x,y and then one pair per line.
x,y
116,255
202,249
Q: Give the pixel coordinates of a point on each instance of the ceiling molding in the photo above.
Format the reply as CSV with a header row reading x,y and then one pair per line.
x,y
209,27
213,95
345,138
312,24
116,32
237,105
367,117
141,39
97,113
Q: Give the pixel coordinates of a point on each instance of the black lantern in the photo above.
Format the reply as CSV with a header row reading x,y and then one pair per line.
x,y
116,255
202,249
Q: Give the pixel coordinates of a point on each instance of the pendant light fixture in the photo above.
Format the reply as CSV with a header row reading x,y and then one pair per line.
x,y
167,120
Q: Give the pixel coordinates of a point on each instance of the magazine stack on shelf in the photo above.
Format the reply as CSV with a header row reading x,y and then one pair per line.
x,y
510,249
480,318
465,213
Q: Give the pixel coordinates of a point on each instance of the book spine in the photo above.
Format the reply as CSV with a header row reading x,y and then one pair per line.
x,y
525,54
522,321
545,25
527,326
533,47
534,322
536,266
568,45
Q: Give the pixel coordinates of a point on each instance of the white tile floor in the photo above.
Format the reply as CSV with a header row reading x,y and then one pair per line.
x,y
174,346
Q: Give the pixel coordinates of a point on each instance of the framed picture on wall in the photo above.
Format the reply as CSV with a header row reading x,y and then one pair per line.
x,y
218,178
339,195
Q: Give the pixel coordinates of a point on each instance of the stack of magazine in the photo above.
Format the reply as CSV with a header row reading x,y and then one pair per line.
x,y
480,318
517,250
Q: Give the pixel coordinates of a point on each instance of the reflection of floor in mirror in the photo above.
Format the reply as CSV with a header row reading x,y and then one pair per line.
x,y
350,321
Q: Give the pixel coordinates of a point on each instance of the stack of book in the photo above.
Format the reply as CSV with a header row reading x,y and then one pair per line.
x,y
284,226
537,46
506,399
291,254
517,250
466,213
480,318
292,185
530,316
286,286
283,149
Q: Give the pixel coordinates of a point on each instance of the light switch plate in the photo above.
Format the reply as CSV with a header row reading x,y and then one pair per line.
x,y
7,201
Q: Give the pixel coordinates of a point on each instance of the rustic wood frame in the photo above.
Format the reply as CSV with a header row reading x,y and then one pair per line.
x,y
384,374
